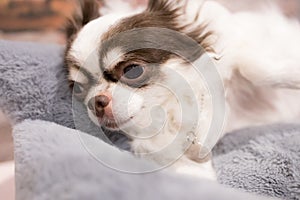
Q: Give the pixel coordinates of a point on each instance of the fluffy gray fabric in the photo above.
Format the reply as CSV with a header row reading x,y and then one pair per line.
x,y
34,86
52,165
262,160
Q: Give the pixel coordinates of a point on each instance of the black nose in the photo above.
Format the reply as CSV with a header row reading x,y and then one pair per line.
x,y
98,103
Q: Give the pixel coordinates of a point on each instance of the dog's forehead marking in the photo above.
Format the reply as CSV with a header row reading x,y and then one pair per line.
x,y
86,45
112,57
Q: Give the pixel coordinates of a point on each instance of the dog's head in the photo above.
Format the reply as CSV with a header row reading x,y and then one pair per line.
x,y
122,82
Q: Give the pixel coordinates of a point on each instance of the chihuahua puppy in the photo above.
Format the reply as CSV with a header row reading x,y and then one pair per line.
x,y
157,97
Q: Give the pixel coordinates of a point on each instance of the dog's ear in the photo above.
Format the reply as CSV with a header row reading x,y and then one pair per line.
x,y
165,6
86,11
173,13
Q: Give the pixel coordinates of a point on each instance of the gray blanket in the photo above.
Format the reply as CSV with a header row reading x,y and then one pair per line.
x,y
51,163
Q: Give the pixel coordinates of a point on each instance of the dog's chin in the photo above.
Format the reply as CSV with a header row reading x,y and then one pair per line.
x,y
112,125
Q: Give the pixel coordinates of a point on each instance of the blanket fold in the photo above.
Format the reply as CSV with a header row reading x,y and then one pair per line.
x,y
52,163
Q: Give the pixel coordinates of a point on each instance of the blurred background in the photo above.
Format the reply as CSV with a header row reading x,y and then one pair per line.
x,y
43,21
34,20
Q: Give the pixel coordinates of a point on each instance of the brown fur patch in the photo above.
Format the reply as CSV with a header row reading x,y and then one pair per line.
x,y
87,10
163,14
148,58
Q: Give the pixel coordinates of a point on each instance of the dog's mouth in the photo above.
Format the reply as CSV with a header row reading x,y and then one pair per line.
x,y
112,124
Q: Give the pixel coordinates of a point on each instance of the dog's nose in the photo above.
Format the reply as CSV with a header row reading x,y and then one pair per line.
x,y
101,101
98,103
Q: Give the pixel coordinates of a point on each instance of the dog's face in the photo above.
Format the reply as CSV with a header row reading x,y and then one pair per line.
x,y
129,89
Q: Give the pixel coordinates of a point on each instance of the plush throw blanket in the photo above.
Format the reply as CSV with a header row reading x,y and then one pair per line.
x,y
51,162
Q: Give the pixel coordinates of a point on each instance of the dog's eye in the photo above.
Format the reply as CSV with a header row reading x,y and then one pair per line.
x,y
78,88
133,71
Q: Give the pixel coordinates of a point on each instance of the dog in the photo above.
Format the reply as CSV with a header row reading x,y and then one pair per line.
x,y
256,55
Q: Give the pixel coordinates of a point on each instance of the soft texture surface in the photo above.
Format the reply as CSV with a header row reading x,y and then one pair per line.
x,y
51,163
263,160
33,85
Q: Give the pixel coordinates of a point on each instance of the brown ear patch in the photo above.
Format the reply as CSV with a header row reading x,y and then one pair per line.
x,y
166,14
87,10
161,5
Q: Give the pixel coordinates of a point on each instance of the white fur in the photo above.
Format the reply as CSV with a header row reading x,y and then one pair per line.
x,y
119,6
263,47
112,58
190,168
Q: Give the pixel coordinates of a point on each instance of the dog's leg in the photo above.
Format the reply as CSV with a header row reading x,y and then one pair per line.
x,y
201,170
268,72
265,48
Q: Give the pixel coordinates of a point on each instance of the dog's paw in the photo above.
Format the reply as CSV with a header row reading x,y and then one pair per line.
x,y
200,170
